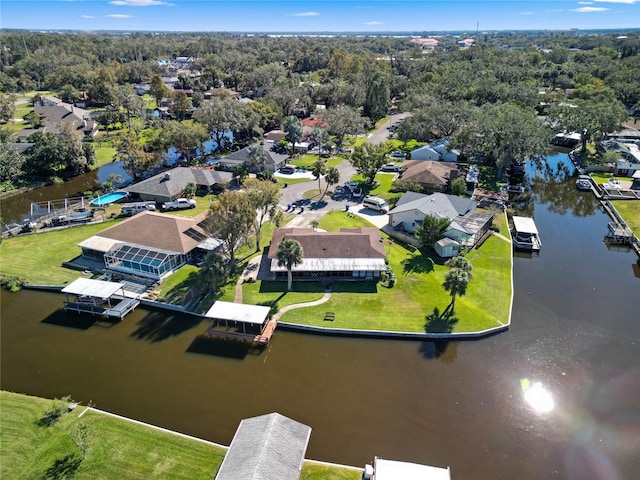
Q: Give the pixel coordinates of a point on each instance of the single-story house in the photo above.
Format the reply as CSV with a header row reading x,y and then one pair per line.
x,y
275,135
432,176
266,447
467,227
436,151
54,113
275,159
149,244
311,123
169,185
350,254
395,470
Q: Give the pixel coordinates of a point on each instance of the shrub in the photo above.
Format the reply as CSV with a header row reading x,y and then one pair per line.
x,y
13,284
400,186
58,407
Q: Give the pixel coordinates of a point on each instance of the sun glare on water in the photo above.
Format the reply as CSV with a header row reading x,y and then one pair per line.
x,y
537,396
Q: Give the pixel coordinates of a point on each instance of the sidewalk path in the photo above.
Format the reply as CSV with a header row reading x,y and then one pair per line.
x,y
499,235
283,310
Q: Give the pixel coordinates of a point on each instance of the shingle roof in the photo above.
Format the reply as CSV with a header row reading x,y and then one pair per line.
x,y
178,178
428,172
274,158
437,204
268,447
347,243
172,233
53,116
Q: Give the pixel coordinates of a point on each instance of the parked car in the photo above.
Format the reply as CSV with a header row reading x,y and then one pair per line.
x,y
375,203
356,193
345,150
390,167
350,185
179,204
398,154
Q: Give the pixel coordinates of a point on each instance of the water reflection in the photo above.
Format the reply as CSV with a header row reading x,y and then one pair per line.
x,y
537,396
442,350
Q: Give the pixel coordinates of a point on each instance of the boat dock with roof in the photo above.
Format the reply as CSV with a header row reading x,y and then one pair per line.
x,y
237,321
525,234
95,297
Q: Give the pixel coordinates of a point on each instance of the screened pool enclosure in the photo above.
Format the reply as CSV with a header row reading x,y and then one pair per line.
x,y
143,261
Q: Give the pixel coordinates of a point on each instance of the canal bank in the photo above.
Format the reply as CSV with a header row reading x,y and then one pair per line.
x,y
465,404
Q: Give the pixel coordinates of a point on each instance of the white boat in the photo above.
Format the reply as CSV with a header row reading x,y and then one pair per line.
x,y
525,234
583,182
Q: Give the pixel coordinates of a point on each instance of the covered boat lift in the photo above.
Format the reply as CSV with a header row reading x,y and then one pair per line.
x,y
526,235
241,322
94,297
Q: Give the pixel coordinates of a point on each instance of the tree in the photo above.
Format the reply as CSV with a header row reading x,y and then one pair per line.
x,y
431,230
293,127
33,119
257,156
231,219
82,436
368,158
158,89
224,116
128,99
458,187
289,255
241,172
319,168
69,94
189,191
214,272
185,136
11,162
377,100
460,262
343,121
264,196
180,104
320,137
129,151
7,107
455,282
332,177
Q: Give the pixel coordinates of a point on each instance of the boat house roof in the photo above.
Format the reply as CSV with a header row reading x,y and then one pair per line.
x,y
238,312
268,447
524,225
93,288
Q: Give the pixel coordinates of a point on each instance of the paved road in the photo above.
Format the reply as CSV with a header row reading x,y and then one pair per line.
x,y
382,134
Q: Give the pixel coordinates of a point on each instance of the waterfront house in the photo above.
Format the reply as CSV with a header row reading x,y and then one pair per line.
x,y
266,447
350,254
54,114
436,151
275,159
149,244
468,225
629,153
432,176
169,185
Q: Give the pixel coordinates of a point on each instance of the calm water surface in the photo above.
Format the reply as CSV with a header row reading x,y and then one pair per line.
x,y
573,346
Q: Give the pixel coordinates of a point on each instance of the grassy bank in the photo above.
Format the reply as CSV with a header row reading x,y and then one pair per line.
x,y
417,293
630,211
117,449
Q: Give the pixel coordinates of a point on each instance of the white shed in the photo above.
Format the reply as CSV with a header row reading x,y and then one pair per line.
x,y
447,247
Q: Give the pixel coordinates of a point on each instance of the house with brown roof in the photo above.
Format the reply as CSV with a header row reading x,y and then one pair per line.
x,y
432,176
310,123
350,254
151,245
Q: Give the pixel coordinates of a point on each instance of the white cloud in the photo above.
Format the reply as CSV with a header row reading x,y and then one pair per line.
x,y
87,16
117,15
628,2
589,9
526,13
139,3
305,14
373,22
585,3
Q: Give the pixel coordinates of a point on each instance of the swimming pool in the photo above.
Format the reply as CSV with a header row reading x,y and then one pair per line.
x,y
108,199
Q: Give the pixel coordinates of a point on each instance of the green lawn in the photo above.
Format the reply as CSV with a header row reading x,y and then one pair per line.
x,y
630,211
118,448
104,153
38,257
307,160
176,286
603,177
418,291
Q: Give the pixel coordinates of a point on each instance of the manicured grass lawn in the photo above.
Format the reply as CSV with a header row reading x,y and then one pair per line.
x,y
603,177
118,448
383,183
307,160
630,211
22,110
275,295
418,290
104,154
173,289
38,257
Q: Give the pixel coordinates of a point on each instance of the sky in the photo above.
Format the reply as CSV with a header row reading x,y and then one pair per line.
x,y
318,15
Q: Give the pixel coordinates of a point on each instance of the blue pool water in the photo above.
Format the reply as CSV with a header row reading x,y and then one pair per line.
x,y
108,199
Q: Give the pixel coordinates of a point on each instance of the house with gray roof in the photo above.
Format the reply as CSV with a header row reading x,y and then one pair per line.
x,y
54,113
467,227
436,151
275,159
169,185
268,447
350,254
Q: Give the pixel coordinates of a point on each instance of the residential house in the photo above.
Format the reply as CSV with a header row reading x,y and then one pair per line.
x,y
435,151
629,152
394,470
169,185
432,176
425,43
149,244
310,123
275,159
54,114
350,254
275,135
266,447
468,225
466,43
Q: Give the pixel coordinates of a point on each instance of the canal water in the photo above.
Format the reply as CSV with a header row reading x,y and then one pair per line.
x,y
556,396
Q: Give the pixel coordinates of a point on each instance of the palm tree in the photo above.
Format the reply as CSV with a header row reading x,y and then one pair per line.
x,y
319,168
257,156
332,177
455,282
289,255
460,262
319,136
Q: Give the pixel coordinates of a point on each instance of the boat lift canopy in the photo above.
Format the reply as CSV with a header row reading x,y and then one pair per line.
x,y
238,312
525,225
93,288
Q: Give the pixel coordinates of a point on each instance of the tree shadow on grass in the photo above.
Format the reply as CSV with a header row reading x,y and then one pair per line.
x,y
418,263
63,468
440,323
158,326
